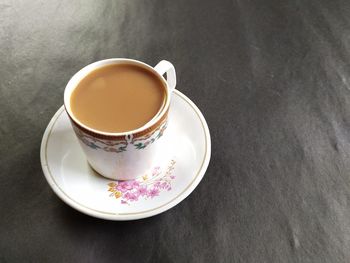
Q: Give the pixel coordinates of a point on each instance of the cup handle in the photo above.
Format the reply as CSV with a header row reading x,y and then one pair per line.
x,y
166,67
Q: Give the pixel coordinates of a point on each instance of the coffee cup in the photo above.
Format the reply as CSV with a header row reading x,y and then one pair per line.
x,y
128,154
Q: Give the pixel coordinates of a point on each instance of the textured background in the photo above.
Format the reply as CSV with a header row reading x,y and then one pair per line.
x,y
271,78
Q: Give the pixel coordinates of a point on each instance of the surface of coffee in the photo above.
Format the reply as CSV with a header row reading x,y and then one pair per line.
x,y
118,98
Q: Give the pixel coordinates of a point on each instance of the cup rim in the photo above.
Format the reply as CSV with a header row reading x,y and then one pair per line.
x,y
78,76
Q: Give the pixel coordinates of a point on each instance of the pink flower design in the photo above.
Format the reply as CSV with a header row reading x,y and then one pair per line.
x,y
130,196
164,185
124,186
142,191
131,191
133,197
153,192
135,184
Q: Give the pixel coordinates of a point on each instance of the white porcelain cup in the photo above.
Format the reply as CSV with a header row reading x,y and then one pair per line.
x,y
127,155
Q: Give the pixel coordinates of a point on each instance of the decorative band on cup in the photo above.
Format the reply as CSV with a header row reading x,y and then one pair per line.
x,y
119,144
121,137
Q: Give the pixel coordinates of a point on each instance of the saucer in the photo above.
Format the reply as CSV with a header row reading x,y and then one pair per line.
x,y
176,171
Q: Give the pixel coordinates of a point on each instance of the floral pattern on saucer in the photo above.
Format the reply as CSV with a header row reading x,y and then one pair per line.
x,y
148,186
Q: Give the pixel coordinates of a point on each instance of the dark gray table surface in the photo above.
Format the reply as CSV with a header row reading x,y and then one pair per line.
x,y
272,79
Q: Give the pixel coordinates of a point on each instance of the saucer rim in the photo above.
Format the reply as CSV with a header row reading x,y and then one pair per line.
x,y
134,215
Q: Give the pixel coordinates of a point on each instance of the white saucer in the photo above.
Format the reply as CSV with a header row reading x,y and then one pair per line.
x,y
178,169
